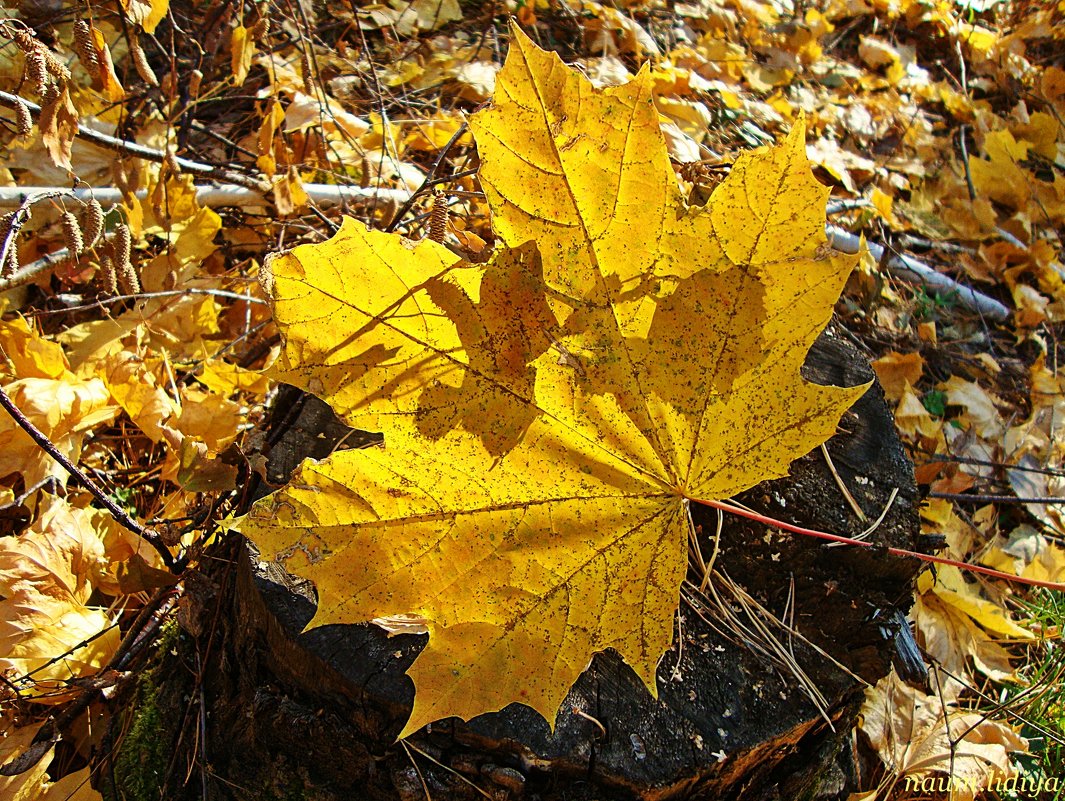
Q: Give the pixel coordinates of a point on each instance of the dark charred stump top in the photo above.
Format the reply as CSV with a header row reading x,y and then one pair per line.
x,y
320,710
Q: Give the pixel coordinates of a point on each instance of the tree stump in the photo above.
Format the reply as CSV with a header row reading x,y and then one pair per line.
x,y
255,709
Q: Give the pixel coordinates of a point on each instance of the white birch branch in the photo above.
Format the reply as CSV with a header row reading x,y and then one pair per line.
x,y
209,195
908,266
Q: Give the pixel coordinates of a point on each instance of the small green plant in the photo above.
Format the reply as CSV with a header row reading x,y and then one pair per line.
x,y
1041,698
935,401
928,305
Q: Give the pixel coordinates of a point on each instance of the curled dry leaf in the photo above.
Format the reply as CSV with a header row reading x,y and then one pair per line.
x,y
58,123
109,84
908,731
242,51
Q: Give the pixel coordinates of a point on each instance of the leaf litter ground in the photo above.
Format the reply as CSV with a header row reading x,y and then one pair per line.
x,y
946,119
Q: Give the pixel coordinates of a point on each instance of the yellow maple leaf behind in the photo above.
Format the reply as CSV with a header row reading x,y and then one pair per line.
x,y
548,416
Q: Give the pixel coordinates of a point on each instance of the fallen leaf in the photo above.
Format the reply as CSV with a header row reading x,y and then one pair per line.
x,y
896,371
26,786
65,410
146,13
47,632
949,585
134,387
912,418
548,416
29,355
224,378
918,737
980,406
136,575
242,50
34,784
999,177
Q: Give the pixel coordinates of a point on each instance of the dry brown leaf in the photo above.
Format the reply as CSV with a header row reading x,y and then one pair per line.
x,y
34,784
47,633
907,729
58,123
896,371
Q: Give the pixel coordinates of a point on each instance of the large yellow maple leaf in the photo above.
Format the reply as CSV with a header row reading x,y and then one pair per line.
x,y
548,416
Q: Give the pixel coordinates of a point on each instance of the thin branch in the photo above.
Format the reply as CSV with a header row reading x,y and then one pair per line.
x,y
972,498
168,293
935,458
847,204
28,273
430,177
216,195
140,151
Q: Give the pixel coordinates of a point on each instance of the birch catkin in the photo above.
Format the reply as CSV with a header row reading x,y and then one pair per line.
x,y
140,61
72,233
93,222
305,69
195,79
37,72
123,246
86,49
129,277
39,58
107,270
438,216
55,67
25,40
261,28
23,118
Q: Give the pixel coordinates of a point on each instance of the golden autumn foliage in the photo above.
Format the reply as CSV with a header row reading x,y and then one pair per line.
x,y
548,416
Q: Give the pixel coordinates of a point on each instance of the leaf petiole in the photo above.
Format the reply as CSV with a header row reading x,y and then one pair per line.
x,y
725,506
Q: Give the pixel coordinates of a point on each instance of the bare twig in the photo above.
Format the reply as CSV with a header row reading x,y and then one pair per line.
x,y
430,178
965,162
215,195
973,498
147,153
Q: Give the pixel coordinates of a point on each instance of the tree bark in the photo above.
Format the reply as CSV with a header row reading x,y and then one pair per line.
x,y
252,708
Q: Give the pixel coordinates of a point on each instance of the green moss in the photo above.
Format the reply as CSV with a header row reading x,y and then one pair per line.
x,y
144,754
